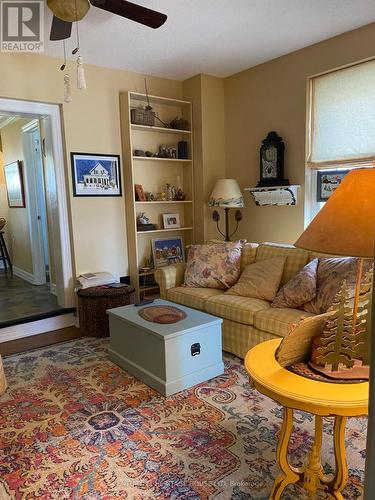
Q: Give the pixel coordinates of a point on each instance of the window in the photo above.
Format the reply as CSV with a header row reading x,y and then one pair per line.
x,y
341,132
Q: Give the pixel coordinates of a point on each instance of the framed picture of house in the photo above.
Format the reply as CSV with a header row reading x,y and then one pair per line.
x,y
327,182
14,184
95,174
166,251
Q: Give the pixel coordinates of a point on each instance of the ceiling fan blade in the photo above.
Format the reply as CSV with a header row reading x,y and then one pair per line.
x,y
60,30
132,11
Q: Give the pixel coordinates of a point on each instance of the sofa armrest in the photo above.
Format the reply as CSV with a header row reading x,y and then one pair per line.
x,y
169,277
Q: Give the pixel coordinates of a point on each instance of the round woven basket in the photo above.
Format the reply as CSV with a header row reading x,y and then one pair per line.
x,y
2,223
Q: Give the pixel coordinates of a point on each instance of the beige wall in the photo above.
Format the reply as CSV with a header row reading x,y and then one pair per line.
x,y
91,124
207,94
3,197
272,96
19,245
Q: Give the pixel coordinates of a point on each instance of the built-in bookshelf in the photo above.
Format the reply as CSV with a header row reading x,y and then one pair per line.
x,y
153,173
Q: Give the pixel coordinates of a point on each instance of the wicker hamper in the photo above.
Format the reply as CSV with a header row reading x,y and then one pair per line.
x,y
93,303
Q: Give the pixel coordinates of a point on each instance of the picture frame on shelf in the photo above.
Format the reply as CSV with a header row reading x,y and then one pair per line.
x,y
167,251
13,173
171,221
96,174
139,192
327,182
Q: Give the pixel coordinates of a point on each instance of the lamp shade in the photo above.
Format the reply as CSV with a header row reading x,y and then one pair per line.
x,y
346,223
226,193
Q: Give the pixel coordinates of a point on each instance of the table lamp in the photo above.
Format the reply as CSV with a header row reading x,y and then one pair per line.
x,y
226,194
346,226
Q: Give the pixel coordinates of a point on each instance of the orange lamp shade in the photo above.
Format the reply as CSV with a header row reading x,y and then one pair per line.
x,y
346,223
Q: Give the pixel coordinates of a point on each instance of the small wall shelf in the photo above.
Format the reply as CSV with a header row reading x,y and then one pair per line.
x,y
274,195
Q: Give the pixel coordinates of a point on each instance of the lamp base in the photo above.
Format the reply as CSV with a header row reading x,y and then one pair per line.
x,y
357,372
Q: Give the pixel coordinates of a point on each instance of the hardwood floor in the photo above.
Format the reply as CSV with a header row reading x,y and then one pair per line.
x,y
44,339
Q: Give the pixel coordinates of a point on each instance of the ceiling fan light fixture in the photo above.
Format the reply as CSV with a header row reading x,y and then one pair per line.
x,y
69,10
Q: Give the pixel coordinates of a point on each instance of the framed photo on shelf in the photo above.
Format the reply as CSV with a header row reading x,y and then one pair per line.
x,y
95,174
139,193
14,183
327,182
171,221
167,251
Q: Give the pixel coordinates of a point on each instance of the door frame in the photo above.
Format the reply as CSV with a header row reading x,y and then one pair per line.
x,y
36,110
39,272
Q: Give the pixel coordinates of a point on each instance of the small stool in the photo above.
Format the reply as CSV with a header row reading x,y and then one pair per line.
x,y
321,399
4,254
93,303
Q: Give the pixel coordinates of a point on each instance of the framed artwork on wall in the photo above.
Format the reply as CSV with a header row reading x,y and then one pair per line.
x,y
327,182
13,173
95,174
166,251
171,221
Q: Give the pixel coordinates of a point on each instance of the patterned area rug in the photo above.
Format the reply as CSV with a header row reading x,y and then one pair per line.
x,y
75,426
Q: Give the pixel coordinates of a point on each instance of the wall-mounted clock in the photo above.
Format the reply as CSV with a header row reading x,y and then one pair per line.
x,y
272,161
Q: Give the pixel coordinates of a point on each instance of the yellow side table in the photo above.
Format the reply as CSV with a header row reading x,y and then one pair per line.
x,y
322,399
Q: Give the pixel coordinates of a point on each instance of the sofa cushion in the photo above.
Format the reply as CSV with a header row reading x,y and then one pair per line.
x,y
213,265
296,258
260,280
300,289
330,276
249,253
278,321
235,308
192,297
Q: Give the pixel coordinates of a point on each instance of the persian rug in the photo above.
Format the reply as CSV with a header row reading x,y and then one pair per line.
x,y
75,426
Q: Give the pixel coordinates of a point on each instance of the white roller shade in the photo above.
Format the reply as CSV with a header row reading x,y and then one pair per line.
x,y
343,115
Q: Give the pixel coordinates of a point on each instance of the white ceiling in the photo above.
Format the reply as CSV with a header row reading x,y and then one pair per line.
x,y
216,37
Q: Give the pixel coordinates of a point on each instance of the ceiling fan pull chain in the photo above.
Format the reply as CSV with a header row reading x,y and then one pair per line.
x,y
81,79
63,66
77,33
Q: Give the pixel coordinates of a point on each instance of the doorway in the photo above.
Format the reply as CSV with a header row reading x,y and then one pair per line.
x,y
37,234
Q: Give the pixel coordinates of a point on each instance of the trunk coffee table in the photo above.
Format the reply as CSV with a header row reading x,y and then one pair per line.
x,y
168,357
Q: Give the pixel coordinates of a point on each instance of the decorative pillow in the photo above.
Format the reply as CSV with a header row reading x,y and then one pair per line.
x,y
330,275
300,289
260,280
214,265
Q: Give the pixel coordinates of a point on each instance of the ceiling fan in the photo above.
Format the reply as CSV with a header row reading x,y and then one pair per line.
x,y
66,12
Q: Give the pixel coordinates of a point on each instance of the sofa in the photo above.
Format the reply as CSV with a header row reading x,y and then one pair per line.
x,y
246,321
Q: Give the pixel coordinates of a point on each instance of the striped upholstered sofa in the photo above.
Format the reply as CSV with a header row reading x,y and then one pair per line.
x,y
246,321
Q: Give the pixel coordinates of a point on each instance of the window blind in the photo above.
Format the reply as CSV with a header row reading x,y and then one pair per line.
x,y
342,114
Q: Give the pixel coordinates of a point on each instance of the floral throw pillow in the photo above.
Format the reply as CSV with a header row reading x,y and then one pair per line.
x,y
214,265
300,289
330,276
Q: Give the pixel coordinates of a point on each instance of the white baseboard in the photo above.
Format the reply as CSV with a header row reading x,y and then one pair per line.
x,y
37,327
25,275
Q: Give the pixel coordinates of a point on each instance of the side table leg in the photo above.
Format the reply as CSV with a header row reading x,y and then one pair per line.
x,y
341,476
313,473
288,474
